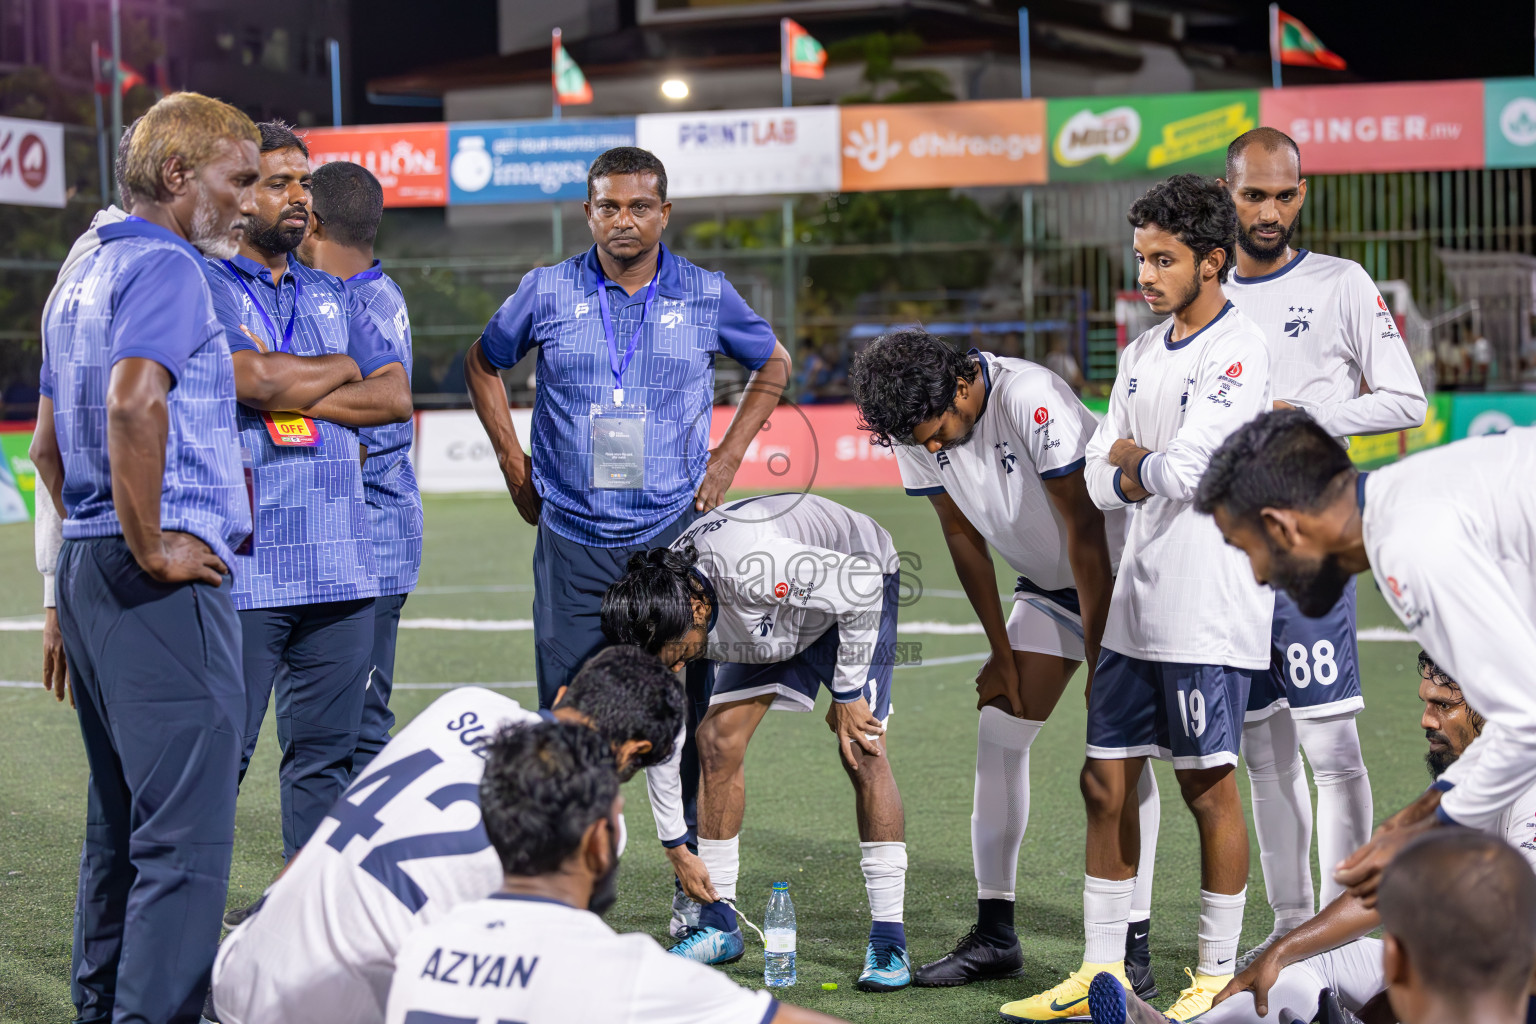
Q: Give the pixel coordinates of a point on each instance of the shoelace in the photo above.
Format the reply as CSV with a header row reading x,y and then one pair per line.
x,y
1190,992
743,919
884,958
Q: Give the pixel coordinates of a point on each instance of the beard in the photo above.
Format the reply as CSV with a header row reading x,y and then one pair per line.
x,y
1438,760
961,440
276,238
208,235
1266,253
1315,586
1187,299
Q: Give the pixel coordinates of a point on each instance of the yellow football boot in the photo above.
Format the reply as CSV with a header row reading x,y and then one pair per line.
x,y
1197,998
1066,1001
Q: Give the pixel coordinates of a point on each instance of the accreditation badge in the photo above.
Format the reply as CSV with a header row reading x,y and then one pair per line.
x,y
618,446
290,430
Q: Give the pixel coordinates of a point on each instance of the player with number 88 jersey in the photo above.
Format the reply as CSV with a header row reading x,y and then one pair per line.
x,y
405,845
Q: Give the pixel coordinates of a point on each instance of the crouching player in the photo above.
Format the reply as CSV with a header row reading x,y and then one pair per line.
x,y
537,950
405,844
785,593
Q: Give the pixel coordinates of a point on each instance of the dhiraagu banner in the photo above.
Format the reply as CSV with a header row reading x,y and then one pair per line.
x,y
1103,138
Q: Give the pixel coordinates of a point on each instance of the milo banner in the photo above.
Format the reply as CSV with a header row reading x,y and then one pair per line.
x,y
1104,138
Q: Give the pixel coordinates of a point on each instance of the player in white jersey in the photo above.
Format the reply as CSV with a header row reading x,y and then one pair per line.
x,y
536,949
1187,627
783,594
1331,337
1450,534
997,445
1332,950
404,845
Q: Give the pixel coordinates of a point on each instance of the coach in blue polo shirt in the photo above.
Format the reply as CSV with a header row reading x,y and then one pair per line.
x,y
309,372
137,447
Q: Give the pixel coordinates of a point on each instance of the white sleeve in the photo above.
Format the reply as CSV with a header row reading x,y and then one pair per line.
x,y
1396,398
1049,417
1103,478
1463,611
664,786
48,538
847,589
1231,389
919,475
673,990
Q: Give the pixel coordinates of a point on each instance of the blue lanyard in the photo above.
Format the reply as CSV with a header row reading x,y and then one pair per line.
x,y
298,289
612,333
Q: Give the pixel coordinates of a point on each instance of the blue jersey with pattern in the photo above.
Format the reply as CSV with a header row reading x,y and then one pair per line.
x,y
389,480
311,541
696,314
143,295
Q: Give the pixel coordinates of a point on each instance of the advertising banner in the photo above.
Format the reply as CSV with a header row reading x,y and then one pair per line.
x,y
1374,450
1474,414
452,454
1104,138
410,160
746,152
529,161
1406,126
943,145
1509,122
31,162
18,477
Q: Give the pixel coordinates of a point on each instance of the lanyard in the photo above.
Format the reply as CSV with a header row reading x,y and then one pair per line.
x,y
612,333
298,289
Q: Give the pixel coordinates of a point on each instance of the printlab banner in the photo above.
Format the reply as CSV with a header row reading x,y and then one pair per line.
x,y
1105,138
746,152
943,145
410,160
1405,126
529,161
31,162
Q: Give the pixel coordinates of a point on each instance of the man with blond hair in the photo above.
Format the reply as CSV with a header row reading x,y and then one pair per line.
x,y
138,449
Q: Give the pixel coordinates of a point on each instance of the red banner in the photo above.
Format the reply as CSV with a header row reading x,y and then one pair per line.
x,y
410,160
1410,126
809,446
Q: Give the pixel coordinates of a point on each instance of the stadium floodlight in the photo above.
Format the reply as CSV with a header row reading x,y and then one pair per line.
x,y
674,89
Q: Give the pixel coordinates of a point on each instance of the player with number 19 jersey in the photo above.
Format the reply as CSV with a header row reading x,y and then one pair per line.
x,y
403,846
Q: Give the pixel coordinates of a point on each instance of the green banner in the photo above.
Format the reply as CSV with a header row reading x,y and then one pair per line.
x,y
1509,122
1103,138
1475,414
18,479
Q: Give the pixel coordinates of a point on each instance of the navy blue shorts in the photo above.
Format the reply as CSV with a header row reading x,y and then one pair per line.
x,y
1314,664
796,681
1190,714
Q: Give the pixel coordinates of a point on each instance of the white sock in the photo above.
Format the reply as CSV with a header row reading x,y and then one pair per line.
x,y
885,878
1149,808
1344,805
1282,817
722,857
1000,809
1106,912
1221,925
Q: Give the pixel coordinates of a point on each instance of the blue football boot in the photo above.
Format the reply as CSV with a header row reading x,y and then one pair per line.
x,y
886,969
715,940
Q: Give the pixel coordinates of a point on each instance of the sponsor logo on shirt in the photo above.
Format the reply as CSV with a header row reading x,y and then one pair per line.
x,y
1042,414
943,458
1412,615
1298,324
1235,371
1131,390
781,590
581,309
794,591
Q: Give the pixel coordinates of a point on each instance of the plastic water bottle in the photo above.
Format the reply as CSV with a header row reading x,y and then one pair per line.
x,y
779,938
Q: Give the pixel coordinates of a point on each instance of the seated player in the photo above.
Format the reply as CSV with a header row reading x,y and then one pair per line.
x,y
1331,950
997,445
405,844
785,594
537,951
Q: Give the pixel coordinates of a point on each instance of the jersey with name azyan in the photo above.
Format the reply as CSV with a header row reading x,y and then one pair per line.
x,y
1032,429
1328,328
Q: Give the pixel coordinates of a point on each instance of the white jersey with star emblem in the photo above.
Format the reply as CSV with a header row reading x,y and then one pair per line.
x,y
402,847
536,961
1032,429
1328,330
1451,536
1183,595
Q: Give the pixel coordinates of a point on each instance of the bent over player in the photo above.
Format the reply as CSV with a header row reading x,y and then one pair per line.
x,y
1329,334
997,446
1187,626
785,594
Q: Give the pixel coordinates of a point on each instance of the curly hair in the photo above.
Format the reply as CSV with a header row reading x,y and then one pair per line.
x,y
905,378
630,695
651,605
1281,459
1196,211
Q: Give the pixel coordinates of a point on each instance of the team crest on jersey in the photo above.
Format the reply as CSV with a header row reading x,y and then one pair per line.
x,y
1007,456
1298,324
330,309
671,313
764,625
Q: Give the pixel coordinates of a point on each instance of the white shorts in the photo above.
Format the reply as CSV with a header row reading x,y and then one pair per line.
x,y
1353,971
1042,626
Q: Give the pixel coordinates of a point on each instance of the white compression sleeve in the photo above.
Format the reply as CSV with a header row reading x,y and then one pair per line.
x,y
1149,809
1344,804
885,879
1000,809
722,858
1282,816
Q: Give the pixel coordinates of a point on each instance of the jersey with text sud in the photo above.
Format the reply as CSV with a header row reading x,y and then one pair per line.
x,y
1031,429
142,295
1451,536
1328,330
537,961
311,542
695,314
1183,595
389,479
786,568
403,847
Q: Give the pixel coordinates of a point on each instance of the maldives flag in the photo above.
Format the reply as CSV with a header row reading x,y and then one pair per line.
x,y
101,73
1293,43
801,56
570,84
